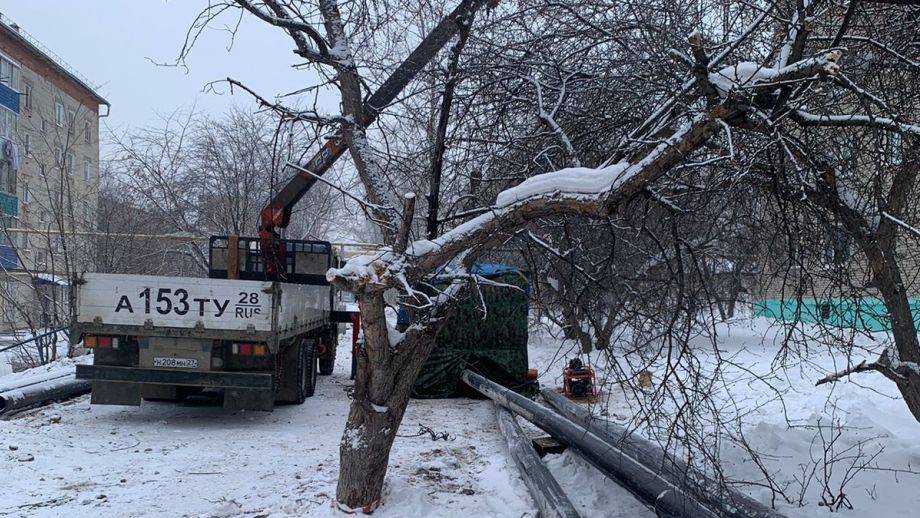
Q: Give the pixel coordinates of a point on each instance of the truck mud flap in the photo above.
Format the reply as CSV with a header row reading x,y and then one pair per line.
x,y
131,375
111,393
249,399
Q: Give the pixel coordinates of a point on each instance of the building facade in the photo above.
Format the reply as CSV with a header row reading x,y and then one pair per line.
x,y
49,178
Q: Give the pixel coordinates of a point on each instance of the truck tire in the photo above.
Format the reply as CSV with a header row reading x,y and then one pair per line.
x,y
327,360
298,380
307,372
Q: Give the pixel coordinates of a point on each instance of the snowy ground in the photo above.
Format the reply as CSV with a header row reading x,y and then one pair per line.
x,y
875,420
168,459
196,459
27,353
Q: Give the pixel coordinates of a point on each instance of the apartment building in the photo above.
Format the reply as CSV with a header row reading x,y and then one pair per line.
x,y
49,177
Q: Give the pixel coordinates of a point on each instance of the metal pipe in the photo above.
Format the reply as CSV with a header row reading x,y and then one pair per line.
x,y
19,383
61,388
664,497
545,490
728,502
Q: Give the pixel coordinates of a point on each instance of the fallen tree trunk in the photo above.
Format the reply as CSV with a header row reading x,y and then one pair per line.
x,y
664,497
727,502
60,388
545,490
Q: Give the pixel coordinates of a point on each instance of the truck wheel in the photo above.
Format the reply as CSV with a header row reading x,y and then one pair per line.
x,y
327,360
307,370
298,378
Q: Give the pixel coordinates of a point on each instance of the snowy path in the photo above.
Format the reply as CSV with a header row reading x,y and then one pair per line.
x,y
169,459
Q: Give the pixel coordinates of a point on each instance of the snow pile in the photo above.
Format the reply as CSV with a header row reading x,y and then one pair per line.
x,y
743,74
860,420
50,370
591,494
26,353
576,180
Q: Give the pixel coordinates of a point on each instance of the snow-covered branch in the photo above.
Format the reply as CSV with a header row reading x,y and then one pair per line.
x,y
753,75
810,119
591,193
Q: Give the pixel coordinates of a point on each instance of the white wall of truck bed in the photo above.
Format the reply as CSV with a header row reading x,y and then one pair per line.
x,y
180,302
303,305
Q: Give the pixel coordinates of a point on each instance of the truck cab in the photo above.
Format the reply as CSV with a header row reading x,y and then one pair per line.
x,y
259,334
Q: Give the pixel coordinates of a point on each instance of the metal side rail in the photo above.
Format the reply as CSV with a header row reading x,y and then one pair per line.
x,y
244,380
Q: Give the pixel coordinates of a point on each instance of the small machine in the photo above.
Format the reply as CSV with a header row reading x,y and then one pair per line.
x,y
578,380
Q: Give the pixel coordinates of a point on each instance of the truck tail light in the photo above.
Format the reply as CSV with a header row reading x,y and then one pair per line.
x,y
100,342
250,349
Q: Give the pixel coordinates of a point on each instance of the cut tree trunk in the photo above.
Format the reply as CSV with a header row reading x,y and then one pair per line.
x,y
385,375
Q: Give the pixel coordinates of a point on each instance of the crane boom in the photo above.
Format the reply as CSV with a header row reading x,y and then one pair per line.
x,y
277,214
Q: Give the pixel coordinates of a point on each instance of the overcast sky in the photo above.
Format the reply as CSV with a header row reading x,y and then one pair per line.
x,y
110,41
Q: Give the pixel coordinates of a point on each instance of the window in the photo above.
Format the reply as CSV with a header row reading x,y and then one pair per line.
x,y
87,132
8,121
68,163
7,178
837,249
27,144
5,237
44,127
27,95
71,121
9,73
87,169
6,71
59,114
25,195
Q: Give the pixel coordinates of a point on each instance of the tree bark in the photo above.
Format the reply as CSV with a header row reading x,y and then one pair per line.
x,y
440,140
383,384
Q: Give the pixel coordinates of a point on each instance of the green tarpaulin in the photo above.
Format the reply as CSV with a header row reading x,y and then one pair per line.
x,y
492,343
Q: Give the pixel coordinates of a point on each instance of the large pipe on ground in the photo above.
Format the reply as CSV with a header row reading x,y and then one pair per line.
x,y
34,379
545,490
51,390
666,498
728,502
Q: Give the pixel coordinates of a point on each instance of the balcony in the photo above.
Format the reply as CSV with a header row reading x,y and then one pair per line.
x,y
9,259
9,98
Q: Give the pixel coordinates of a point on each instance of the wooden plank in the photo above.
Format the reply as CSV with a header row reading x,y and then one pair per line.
x,y
233,257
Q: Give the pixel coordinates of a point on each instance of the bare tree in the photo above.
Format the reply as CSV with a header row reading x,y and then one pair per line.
x,y
194,177
655,122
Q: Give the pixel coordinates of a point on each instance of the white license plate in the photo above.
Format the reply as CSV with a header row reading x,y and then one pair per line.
x,y
176,363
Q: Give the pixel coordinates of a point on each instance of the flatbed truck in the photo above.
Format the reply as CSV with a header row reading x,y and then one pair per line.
x,y
261,341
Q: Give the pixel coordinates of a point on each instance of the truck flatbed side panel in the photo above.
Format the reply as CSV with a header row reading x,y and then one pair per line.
x,y
303,306
175,302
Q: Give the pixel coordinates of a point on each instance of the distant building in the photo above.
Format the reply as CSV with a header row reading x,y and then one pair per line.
x,y
49,176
